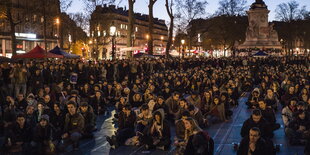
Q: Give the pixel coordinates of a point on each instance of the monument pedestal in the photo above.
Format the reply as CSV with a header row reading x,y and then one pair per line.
x,y
259,33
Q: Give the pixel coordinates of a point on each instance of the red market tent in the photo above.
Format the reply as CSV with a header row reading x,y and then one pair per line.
x,y
37,53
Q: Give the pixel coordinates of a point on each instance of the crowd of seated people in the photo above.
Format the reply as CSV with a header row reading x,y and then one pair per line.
x,y
150,97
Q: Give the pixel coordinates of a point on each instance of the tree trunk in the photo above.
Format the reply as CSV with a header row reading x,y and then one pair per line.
x,y
151,26
12,26
131,30
44,25
170,35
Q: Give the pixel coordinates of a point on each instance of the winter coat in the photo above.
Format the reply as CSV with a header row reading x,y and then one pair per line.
x,y
74,123
263,125
261,147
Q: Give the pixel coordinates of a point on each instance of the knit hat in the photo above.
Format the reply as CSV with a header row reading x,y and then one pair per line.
x,y
45,117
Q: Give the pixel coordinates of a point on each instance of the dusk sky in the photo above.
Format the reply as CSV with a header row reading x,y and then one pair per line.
x,y
160,11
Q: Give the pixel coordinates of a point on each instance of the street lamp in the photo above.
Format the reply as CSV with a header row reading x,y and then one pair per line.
x,y
57,21
112,33
182,42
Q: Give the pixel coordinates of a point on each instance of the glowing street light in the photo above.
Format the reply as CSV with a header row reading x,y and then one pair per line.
x,y
57,21
183,42
113,34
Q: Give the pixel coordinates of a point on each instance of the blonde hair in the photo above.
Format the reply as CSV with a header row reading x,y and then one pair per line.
x,y
194,128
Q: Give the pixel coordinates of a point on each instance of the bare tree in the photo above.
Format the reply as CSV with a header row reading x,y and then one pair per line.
x,y
6,12
290,11
169,6
90,5
131,21
151,25
188,10
231,7
80,19
65,4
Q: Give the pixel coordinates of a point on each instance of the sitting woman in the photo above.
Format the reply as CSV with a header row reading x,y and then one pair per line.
x,y
157,134
187,131
137,100
198,141
217,111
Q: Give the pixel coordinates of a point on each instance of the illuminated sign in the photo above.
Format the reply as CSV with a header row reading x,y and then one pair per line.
x,y
26,35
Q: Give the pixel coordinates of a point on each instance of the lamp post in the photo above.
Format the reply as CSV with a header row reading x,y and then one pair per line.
x,y
57,21
113,33
183,42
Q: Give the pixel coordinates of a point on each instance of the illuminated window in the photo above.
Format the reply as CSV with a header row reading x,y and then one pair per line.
x,y
136,29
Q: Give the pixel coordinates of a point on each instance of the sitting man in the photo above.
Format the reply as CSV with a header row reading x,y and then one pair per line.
x,y
42,137
90,119
18,136
256,120
74,127
126,128
254,144
298,129
268,114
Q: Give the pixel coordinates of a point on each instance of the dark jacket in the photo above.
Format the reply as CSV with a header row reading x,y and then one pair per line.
x,y
269,115
262,147
41,135
89,117
296,123
17,134
200,144
263,125
74,123
126,122
180,129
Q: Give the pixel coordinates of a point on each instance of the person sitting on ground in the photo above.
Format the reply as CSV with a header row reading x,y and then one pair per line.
x,y
254,144
194,99
271,99
90,119
157,134
256,120
74,127
253,99
298,129
198,142
18,136
268,114
197,116
9,112
143,120
173,105
42,137
217,111
160,104
184,131
137,100
183,106
126,128
287,112
30,116
57,121
98,103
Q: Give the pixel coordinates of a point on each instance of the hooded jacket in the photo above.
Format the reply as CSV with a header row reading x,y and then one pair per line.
x,y
165,128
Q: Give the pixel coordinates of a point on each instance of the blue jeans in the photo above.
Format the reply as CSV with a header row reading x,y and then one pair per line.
x,y
20,89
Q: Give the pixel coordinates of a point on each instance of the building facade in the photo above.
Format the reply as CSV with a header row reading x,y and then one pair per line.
x,y
29,32
101,41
